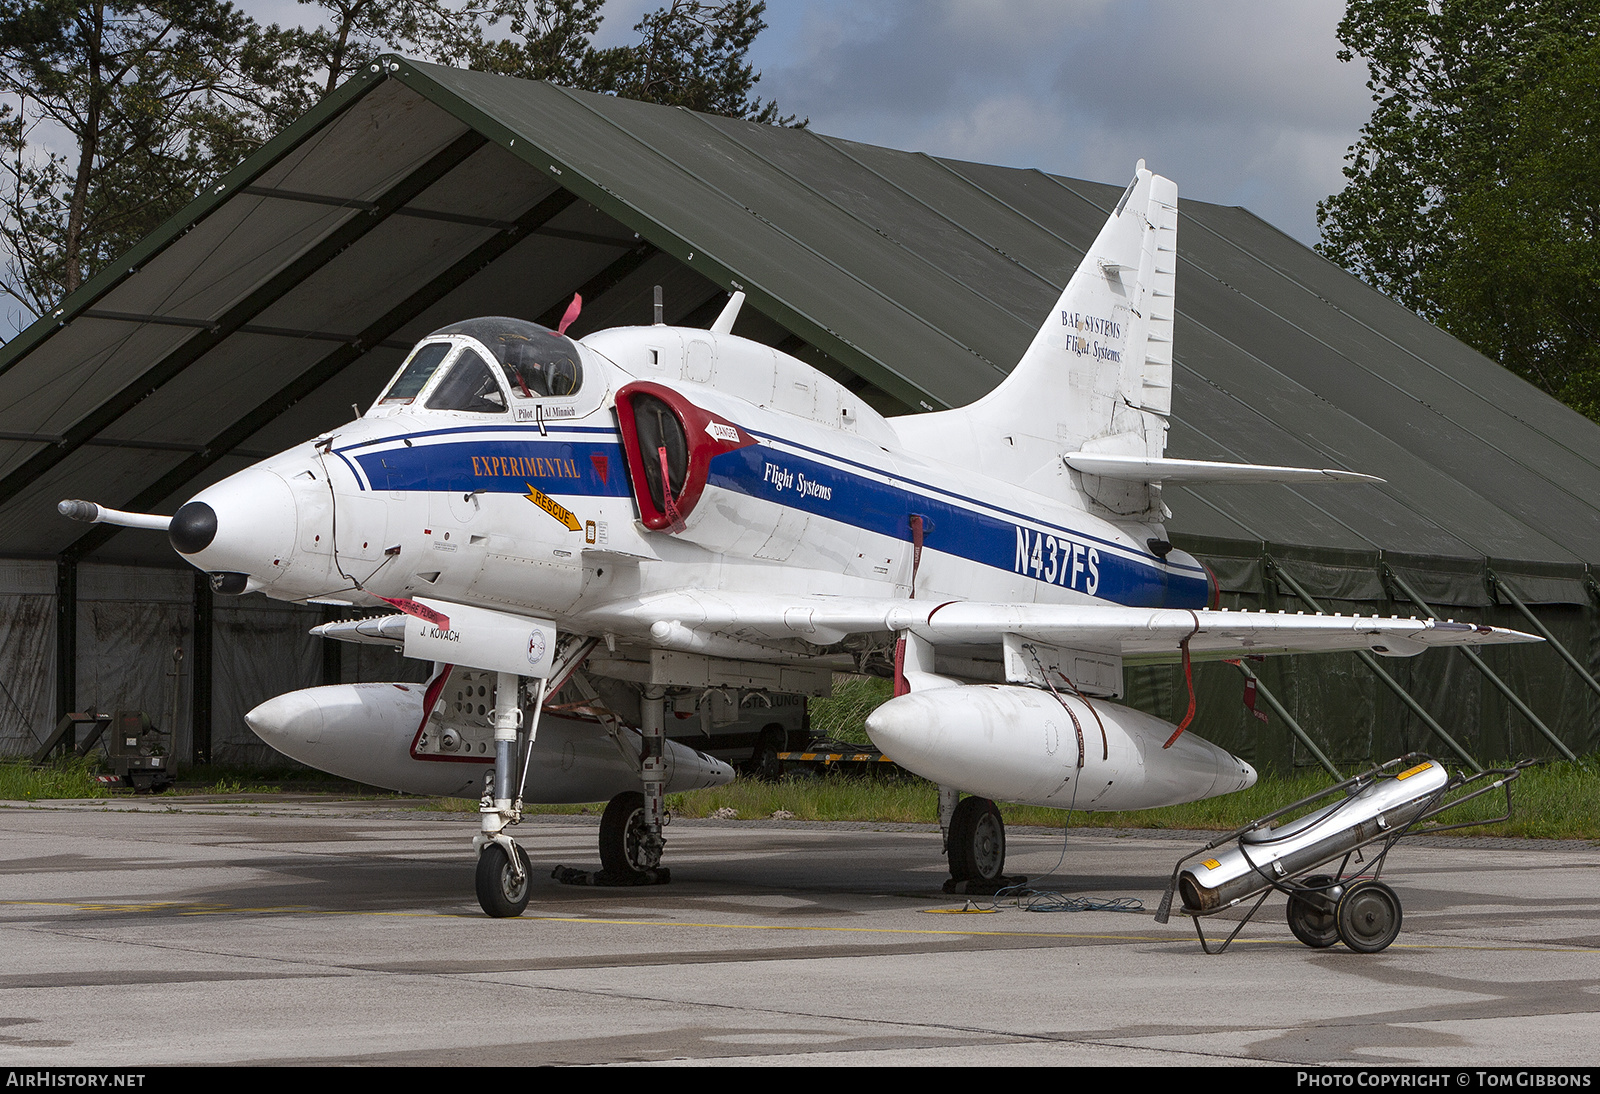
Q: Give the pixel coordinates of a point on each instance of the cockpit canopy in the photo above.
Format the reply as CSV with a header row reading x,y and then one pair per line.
x,y
537,363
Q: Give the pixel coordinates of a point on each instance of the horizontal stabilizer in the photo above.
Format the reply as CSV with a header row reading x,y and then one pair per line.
x,y
1150,469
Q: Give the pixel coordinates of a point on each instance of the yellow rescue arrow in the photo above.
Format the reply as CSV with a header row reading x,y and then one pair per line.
x,y
554,508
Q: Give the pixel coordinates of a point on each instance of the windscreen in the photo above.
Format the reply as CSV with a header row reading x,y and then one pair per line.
x,y
470,386
415,376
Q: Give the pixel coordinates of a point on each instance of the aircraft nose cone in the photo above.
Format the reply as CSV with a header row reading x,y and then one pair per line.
x,y
193,528
244,525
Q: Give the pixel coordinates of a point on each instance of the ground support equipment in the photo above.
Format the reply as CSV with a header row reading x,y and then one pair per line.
x,y
824,756
1347,904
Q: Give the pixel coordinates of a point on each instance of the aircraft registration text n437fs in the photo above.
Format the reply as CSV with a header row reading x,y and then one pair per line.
x,y
591,538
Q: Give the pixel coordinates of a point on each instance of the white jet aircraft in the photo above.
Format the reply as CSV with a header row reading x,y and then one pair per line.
x,y
621,524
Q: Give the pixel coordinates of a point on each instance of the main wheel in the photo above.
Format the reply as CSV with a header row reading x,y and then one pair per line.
x,y
977,841
500,894
624,848
1369,916
1312,925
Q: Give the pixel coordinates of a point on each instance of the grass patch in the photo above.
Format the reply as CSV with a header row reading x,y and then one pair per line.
x,y
824,799
843,716
234,786
236,779
1553,801
21,781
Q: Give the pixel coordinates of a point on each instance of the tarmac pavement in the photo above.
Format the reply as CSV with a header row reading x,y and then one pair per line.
x,y
278,929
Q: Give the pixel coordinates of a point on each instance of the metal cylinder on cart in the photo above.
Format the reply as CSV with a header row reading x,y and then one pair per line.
x,y
1269,855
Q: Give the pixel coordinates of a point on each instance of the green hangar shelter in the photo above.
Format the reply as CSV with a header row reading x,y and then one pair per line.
x,y
415,196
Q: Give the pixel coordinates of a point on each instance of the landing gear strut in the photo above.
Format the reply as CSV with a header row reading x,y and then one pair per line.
x,y
503,882
631,831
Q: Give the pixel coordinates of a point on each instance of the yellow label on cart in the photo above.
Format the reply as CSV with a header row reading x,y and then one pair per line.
x,y
1412,771
1211,864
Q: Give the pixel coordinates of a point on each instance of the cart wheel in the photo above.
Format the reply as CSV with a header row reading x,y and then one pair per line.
x,y
977,841
1312,925
1369,916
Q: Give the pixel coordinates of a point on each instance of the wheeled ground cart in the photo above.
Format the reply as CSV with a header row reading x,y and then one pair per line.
x,y
1347,904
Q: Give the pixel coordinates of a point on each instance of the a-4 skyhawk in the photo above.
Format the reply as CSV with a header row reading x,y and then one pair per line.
x,y
598,534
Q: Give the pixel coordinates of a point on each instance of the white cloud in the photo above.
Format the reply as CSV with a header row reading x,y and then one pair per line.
x,y
1241,102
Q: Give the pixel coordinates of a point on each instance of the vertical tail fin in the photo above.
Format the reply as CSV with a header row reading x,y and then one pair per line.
x,y
1098,374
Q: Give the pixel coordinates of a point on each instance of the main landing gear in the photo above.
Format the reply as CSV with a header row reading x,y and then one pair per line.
x,y
631,829
975,843
630,851
632,835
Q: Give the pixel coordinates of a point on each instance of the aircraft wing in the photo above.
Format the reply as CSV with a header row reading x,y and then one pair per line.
x,y
706,621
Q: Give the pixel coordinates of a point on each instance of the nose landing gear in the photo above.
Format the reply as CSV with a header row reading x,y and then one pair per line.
x,y
502,881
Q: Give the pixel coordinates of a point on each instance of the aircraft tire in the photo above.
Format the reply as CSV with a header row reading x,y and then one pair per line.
x,y
977,841
622,830
500,895
1369,916
1310,924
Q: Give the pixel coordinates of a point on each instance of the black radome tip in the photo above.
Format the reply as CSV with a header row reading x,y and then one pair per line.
x,y
193,528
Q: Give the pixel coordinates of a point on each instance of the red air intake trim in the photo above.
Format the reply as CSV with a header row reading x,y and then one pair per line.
x,y
706,436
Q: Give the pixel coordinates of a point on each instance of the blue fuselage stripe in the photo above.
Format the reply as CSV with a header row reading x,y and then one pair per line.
x,y
952,524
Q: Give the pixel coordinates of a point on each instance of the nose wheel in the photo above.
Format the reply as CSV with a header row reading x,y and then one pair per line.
x,y
503,886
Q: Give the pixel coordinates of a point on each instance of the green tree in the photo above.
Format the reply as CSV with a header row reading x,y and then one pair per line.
x,y
690,54
153,98
157,97
546,40
1473,193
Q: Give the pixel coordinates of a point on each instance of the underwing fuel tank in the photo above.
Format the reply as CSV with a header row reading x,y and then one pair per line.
x,y
1023,744
374,733
1271,854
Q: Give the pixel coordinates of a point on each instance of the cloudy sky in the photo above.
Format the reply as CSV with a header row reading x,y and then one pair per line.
x,y
1243,102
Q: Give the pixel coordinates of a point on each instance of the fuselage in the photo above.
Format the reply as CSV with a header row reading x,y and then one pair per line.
x,y
514,498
